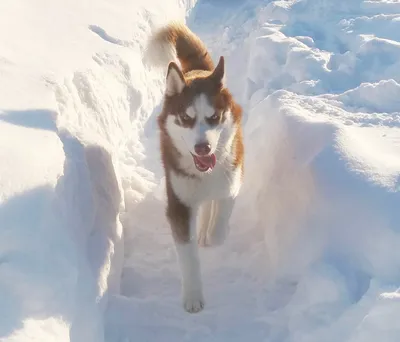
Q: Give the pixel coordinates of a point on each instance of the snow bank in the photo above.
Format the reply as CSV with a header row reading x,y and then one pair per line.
x,y
336,188
74,96
333,167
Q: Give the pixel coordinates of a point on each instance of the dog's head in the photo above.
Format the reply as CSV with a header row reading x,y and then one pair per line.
x,y
199,115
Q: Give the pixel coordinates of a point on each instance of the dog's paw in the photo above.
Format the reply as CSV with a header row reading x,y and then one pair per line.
x,y
193,302
202,240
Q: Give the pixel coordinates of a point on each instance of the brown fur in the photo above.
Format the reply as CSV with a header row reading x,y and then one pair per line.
x,y
191,51
178,216
199,76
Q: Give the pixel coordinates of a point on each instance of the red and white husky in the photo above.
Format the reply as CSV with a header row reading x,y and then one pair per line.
x,y
201,147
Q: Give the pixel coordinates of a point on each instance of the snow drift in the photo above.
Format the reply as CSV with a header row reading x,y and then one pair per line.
x,y
86,253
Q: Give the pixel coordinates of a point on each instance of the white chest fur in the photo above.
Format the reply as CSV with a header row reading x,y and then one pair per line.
x,y
220,183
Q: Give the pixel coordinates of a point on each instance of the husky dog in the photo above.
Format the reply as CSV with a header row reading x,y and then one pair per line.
x,y
201,147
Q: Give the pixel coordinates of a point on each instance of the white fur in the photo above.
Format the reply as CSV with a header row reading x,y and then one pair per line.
x,y
218,228
202,132
188,258
159,52
206,219
220,183
184,139
175,84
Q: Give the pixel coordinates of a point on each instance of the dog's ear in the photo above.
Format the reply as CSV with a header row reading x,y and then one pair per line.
x,y
219,72
175,80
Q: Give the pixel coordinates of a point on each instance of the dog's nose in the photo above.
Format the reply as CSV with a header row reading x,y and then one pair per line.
x,y
202,149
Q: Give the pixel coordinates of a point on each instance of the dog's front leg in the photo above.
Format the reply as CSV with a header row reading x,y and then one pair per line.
x,y
183,224
219,229
192,293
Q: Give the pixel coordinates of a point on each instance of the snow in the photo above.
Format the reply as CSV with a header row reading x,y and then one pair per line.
x,y
86,253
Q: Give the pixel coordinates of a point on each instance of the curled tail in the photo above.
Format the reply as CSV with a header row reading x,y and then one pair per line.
x,y
176,42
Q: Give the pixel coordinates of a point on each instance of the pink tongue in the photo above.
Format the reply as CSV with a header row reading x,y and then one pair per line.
x,y
209,161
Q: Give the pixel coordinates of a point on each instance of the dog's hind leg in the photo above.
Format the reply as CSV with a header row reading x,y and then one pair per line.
x,y
219,229
204,221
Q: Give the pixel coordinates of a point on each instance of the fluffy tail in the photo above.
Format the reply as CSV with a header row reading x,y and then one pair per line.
x,y
176,42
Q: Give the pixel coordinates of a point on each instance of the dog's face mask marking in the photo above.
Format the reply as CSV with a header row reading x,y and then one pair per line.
x,y
199,119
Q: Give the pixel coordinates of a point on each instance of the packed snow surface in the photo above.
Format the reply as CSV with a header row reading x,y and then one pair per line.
x,y
314,252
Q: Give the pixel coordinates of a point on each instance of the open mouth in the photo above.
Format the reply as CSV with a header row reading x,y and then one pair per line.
x,y
204,163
